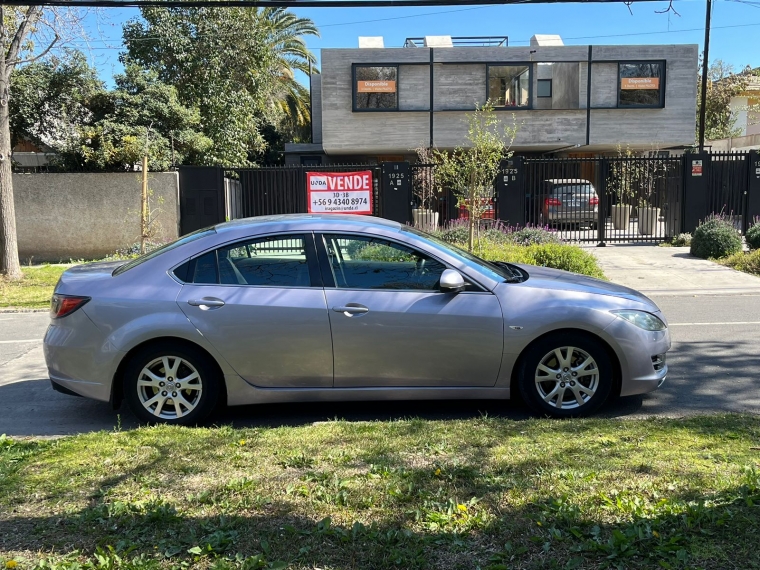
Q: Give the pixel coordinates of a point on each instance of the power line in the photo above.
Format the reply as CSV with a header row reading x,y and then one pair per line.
x,y
580,37
289,3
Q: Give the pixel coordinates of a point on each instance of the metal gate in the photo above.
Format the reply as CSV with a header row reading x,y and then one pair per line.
x,y
605,199
727,178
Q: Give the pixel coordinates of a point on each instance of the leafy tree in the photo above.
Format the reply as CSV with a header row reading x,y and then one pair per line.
x,y
722,84
236,65
286,39
52,98
470,170
27,34
142,113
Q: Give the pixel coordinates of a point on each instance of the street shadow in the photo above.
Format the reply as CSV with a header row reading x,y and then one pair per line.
x,y
704,377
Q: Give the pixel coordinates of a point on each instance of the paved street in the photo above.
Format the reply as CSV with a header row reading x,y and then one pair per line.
x,y
713,367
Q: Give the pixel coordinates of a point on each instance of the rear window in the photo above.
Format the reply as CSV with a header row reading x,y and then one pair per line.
x,y
164,248
573,189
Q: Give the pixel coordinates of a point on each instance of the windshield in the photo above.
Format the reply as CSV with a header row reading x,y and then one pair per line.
x,y
163,249
500,272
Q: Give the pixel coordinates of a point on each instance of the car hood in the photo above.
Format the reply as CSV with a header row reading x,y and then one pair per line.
x,y
545,278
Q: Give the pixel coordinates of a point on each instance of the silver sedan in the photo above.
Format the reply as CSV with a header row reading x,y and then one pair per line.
x,y
312,308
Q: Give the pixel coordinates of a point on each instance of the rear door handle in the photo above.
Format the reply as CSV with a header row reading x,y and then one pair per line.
x,y
206,302
352,309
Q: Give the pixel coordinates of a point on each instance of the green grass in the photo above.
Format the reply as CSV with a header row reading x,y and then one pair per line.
x,y
743,261
34,290
486,493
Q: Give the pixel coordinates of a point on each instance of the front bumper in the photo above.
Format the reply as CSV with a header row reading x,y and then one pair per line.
x,y
640,372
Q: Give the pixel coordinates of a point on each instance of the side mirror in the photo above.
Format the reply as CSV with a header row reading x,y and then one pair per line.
x,y
451,281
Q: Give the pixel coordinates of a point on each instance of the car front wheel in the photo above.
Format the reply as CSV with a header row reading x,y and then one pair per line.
x,y
566,375
170,384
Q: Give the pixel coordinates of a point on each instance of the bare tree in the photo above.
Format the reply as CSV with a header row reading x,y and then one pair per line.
x,y
27,33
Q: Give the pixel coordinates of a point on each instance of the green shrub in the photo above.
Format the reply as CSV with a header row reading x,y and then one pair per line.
x,y
681,240
715,237
534,236
567,257
753,235
455,232
746,262
496,235
380,252
554,255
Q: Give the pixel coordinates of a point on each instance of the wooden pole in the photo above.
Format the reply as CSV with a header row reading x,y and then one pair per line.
x,y
144,208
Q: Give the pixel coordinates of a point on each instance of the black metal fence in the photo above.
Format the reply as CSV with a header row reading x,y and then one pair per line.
x,y
619,199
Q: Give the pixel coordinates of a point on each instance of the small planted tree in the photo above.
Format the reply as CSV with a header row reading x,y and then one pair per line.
x,y
470,171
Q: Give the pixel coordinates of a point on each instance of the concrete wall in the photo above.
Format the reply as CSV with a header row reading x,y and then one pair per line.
x,y
89,215
316,107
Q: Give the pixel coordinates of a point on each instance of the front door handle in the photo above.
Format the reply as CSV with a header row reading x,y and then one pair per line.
x,y
352,309
206,303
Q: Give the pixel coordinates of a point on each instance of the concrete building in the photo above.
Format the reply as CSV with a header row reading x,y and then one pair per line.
x,y
375,103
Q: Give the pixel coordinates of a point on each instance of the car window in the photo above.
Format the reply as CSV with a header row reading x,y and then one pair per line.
x,y
574,189
163,249
205,269
278,261
275,261
360,262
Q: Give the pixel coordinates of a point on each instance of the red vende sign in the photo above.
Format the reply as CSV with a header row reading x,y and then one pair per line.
x,y
339,192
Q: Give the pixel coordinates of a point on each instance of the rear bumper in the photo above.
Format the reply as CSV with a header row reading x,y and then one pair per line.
x,y
572,216
78,358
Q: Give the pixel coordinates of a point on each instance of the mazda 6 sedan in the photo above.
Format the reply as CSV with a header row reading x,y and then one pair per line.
x,y
298,308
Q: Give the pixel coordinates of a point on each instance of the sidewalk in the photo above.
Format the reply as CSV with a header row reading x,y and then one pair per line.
x,y
657,270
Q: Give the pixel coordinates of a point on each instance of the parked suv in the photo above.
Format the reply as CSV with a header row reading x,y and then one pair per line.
x,y
567,201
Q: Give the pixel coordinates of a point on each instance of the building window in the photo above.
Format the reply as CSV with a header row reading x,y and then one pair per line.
x,y
641,84
375,88
509,85
544,88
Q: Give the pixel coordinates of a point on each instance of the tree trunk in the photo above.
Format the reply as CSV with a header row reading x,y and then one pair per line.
x,y
9,263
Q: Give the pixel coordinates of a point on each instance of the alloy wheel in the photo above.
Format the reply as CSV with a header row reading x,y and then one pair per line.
x,y
169,387
567,378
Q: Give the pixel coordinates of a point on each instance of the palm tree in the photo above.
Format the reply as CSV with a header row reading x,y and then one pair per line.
x,y
286,33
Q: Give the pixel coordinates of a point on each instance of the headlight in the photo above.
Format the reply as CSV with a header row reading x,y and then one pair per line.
x,y
642,319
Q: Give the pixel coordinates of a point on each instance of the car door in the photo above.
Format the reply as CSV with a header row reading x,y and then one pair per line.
x,y
391,325
261,304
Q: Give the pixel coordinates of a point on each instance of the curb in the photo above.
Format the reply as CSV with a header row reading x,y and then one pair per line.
x,y
11,310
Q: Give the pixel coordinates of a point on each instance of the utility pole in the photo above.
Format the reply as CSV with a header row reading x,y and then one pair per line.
x,y
705,65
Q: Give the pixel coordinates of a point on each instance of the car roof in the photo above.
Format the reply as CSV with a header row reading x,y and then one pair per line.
x,y
298,221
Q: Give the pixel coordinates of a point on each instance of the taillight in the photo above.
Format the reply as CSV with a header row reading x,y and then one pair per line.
x,y
553,202
62,305
594,201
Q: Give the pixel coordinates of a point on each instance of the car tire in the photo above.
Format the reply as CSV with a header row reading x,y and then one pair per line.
x,y
186,395
578,375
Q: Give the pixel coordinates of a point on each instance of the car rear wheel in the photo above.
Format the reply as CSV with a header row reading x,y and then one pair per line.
x,y
169,383
566,375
